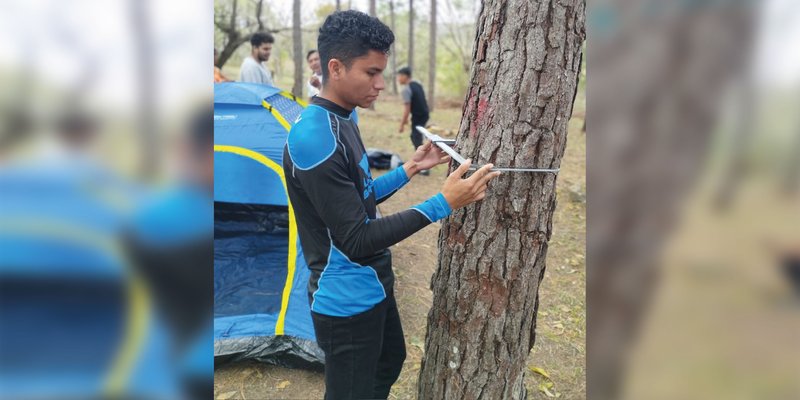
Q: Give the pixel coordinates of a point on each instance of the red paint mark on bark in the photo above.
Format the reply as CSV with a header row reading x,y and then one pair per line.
x,y
483,107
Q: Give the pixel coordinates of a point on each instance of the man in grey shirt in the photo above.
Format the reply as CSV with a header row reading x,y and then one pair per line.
x,y
253,70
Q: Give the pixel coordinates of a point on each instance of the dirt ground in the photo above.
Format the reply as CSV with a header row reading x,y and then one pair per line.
x,y
559,351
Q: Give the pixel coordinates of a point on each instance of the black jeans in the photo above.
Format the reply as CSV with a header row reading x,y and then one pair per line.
x,y
416,137
363,353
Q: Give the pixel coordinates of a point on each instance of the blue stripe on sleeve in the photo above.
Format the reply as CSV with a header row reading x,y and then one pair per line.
x,y
390,182
434,208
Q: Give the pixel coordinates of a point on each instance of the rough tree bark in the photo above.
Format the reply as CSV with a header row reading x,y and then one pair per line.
x,y
432,57
411,35
297,44
481,326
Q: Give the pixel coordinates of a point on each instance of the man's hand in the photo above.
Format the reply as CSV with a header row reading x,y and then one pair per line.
x,y
461,192
402,127
428,156
314,81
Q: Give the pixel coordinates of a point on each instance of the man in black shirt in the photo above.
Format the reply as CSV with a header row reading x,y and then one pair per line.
x,y
351,288
415,104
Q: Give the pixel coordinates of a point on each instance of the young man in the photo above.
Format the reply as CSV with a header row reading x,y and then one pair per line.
x,y
253,69
351,288
415,104
315,81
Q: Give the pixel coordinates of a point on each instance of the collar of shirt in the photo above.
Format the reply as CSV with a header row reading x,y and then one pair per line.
x,y
331,106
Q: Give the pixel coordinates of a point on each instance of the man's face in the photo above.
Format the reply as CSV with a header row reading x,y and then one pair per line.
x,y
262,52
313,63
363,81
402,79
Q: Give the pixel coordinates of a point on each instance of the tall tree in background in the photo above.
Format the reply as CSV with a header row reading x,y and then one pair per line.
x,y
481,326
338,5
227,21
393,54
372,8
432,57
147,92
297,42
411,35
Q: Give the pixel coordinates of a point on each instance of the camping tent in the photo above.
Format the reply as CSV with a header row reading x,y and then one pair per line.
x,y
261,306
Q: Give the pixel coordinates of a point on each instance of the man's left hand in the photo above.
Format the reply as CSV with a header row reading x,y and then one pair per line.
x,y
428,156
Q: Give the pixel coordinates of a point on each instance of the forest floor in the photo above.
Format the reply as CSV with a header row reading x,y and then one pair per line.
x,y
560,347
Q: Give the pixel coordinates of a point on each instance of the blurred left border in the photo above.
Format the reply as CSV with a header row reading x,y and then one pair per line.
x,y
106,209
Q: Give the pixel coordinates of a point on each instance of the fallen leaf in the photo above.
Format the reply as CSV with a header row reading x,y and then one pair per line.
x,y
226,395
283,384
540,371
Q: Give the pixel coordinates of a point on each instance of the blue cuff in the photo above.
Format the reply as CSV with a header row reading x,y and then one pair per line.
x,y
390,182
434,208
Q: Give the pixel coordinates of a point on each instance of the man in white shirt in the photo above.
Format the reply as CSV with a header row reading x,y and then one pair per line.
x,y
253,69
315,81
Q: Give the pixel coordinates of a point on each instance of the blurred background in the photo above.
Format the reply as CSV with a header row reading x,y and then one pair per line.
x,y
693,204
105,199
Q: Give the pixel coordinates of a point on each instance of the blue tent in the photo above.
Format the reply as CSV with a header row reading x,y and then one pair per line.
x,y
261,306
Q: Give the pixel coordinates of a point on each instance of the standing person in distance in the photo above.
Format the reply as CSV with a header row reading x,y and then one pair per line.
x,y
415,105
253,69
315,81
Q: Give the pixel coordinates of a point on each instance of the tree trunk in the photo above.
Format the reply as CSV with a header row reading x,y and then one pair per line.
x,y
393,55
411,35
147,88
297,39
372,11
481,326
432,57
338,5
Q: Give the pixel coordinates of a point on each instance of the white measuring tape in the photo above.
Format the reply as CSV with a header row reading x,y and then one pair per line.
x,y
445,144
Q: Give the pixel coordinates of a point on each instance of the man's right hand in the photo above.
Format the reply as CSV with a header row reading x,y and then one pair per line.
x,y
314,81
461,192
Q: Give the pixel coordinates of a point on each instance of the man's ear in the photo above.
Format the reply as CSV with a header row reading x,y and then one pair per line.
x,y
335,69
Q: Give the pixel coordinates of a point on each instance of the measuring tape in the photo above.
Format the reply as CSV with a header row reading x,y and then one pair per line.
x,y
445,144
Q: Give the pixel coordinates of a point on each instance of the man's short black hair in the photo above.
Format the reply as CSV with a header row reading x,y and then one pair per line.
x,y
346,35
310,52
261,37
405,71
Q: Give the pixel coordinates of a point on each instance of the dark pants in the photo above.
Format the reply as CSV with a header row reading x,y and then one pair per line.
x,y
416,137
363,353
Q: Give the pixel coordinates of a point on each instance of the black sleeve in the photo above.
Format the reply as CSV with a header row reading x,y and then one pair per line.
x,y
338,202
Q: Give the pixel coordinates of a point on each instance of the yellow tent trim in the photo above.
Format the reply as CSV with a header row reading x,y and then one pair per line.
x,y
138,294
287,289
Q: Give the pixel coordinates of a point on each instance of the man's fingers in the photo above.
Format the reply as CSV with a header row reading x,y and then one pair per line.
x,y
445,159
488,177
480,173
461,170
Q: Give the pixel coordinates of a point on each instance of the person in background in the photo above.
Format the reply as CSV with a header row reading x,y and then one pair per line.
x,y
315,81
415,105
218,77
253,69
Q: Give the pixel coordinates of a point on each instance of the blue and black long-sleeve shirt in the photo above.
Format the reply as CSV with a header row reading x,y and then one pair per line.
x,y
334,199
